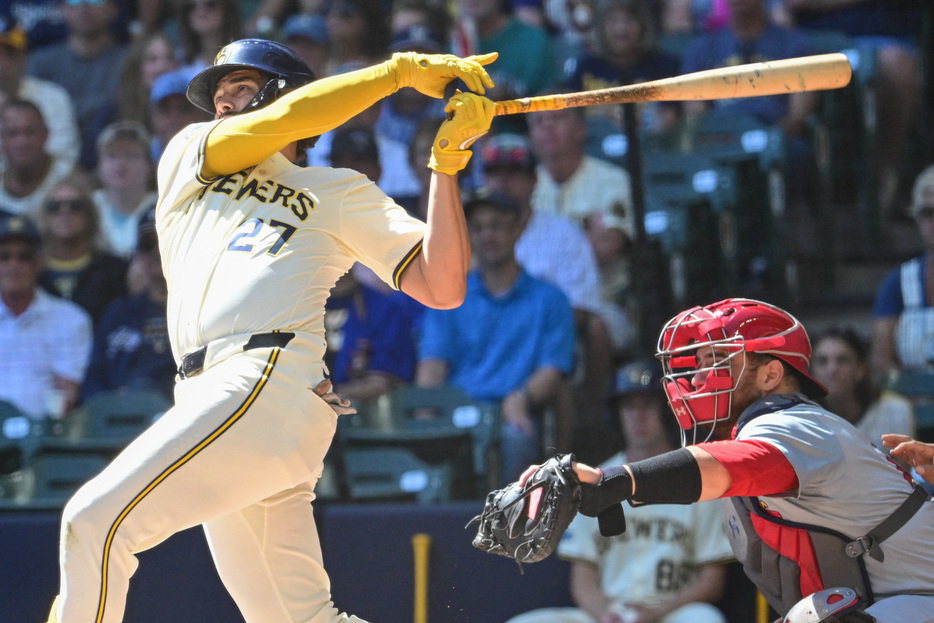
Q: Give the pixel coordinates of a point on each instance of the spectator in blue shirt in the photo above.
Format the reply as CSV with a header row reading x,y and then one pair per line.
x,y
131,342
903,314
512,340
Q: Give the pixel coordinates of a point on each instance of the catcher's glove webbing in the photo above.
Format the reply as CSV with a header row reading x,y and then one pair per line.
x,y
525,522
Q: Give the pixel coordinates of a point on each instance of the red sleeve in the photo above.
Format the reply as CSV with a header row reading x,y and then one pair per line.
x,y
756,467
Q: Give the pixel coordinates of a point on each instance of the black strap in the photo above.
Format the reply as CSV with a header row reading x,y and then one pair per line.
x,y
193,362
266,340
889,526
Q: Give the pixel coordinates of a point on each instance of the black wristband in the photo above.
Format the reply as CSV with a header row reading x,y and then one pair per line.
x,y
670,478
615,486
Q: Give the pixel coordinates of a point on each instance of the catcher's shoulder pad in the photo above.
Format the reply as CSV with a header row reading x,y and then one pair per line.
x,y
525,521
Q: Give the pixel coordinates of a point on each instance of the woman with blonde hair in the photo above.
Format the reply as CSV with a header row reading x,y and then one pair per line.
x,y
77,268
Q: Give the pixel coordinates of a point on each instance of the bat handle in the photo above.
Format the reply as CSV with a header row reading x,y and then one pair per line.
x,y
421,545
529,104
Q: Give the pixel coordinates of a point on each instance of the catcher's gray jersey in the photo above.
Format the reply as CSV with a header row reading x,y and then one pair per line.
x,y
847,485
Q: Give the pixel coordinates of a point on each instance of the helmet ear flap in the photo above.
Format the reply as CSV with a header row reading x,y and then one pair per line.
x,y
267,94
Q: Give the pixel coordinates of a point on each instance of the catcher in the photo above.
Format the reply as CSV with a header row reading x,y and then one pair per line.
x,y
825,525
666,567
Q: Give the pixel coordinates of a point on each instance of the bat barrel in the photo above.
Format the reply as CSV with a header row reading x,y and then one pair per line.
x,y
793,75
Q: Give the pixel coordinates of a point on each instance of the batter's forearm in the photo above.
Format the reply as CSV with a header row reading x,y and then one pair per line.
x,y
438,276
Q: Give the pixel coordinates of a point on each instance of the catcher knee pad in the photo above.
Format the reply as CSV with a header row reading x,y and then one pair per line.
x,y
831,605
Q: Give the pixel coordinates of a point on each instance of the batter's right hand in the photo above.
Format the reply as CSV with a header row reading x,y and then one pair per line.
x,y
470,116
431,73
341,406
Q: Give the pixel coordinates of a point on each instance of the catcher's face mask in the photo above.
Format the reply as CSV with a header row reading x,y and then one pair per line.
x,y
699,363
703,356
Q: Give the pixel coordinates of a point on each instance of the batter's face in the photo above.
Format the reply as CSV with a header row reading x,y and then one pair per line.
x,y
235,90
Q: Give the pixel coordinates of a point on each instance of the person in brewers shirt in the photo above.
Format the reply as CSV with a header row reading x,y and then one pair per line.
x,y
251,244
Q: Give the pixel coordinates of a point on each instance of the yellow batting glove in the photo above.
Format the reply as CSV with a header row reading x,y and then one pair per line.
x,y
469,118
430,73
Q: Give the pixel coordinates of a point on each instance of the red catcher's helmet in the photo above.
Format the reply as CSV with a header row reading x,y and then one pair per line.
x,y
733,326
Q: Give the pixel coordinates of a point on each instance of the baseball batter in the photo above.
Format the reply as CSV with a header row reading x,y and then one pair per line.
x,y
251,245
815,512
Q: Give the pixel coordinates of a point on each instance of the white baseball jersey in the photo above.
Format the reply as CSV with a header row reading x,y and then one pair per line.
x,y
849,486
657,555
242,448
259,250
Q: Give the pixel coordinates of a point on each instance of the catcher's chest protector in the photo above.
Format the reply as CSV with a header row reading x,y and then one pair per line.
x,y
805,558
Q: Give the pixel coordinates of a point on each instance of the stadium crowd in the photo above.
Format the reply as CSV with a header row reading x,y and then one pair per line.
x,y
91,91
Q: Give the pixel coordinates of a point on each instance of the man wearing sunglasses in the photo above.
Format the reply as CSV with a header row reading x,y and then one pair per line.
x,y
251,245
45,340
903,316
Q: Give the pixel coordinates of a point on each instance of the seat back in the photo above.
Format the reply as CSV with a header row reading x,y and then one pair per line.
x,y
20,435
441,425
914,384
381,474
115,418
52,478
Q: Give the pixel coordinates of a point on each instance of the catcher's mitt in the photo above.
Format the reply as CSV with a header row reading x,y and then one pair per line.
x,y
525,522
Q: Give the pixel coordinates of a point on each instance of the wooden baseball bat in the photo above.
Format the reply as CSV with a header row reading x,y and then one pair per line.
x,y
792,75
421,545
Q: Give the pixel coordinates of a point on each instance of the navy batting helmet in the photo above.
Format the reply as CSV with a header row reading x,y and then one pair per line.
x,y
286,70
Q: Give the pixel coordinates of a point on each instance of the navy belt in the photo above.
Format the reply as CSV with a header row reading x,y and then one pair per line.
x,y
193,362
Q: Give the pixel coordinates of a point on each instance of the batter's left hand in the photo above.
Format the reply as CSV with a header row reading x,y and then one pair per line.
x,y
341,406
431,73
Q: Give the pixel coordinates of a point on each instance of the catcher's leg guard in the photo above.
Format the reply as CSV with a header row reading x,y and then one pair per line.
x,y
832,605
53,613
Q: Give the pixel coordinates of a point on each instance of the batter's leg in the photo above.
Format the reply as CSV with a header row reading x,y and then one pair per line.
x,y
269,558
240,432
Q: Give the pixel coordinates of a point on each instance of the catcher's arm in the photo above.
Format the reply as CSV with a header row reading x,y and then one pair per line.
x,y
678,477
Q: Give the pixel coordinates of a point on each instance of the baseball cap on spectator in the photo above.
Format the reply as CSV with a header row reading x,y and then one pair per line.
x,y
133,131
354,144
641,376
507,151
922,194
311,27
170,83
20,228
11,34
417,38
492,198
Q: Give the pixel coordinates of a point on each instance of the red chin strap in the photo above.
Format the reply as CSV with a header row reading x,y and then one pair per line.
x,y
708,404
